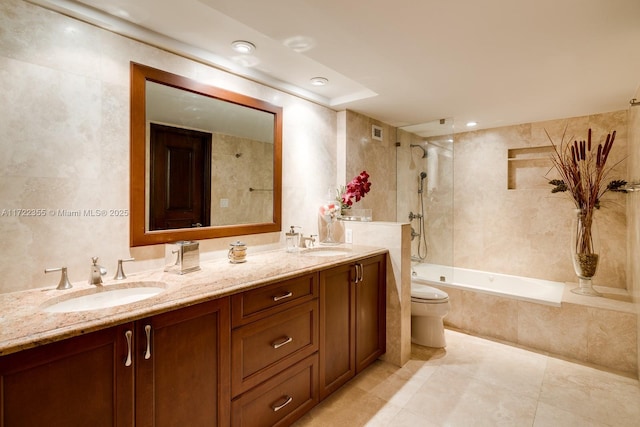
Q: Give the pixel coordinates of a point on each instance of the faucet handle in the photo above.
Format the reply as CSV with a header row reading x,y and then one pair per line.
x,y
120,272
64,279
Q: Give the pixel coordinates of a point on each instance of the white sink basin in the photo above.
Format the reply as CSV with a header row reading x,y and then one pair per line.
x,y
104,297
326,252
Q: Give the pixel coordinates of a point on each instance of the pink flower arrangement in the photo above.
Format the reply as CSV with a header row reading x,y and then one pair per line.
x,y
356,189
329,211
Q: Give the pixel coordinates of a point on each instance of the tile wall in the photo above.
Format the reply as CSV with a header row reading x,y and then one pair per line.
x,y
376,157
525,231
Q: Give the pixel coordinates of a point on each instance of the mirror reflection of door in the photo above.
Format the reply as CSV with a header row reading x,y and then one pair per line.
x,y
180,195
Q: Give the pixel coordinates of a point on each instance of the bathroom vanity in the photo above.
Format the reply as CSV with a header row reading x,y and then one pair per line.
x,y
233,344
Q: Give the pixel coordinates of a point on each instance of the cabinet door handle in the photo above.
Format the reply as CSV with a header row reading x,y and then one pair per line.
x,y
147,331
277,298
359,274
288,400
277,345
128,335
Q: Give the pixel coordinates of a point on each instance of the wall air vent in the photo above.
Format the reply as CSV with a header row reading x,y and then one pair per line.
x,y
376,132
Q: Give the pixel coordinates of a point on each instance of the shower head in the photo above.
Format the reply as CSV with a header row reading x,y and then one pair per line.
x,y
423,175
424,150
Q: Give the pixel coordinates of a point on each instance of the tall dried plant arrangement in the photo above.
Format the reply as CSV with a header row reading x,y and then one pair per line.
x,y
583,173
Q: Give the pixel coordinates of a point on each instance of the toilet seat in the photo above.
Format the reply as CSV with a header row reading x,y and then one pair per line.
x,y
427,295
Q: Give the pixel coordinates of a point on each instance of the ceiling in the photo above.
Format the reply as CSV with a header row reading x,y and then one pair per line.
x,y
497,62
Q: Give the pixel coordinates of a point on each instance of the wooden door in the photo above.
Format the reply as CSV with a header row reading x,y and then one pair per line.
x,y
180,169
337,328
370,311
182,375
80,381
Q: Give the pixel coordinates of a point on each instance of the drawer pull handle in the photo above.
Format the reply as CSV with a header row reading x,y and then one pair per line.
x,y
277,345
283,296
128,335
147,353
288,400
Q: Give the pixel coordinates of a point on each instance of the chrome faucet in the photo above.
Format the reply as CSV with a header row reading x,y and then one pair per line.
x,y
97,271
308,242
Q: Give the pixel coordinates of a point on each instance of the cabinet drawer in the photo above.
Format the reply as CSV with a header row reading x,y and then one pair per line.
x,y
281,400
257,303
262,349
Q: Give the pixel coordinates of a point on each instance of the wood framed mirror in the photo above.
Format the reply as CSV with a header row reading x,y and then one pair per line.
x,y
205,162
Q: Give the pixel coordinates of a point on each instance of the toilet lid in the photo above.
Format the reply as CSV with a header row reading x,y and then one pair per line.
x,y
425,292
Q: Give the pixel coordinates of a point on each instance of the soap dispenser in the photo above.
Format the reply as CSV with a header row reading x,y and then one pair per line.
x,y
293,239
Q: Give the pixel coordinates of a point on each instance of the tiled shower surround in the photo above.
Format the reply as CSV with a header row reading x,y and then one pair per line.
x,y
525,231
485,225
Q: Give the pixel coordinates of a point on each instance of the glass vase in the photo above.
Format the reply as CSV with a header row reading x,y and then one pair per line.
x,y
585,251
329,239
328,215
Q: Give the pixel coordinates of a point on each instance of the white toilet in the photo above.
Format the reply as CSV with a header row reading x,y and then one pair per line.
x,y
428,307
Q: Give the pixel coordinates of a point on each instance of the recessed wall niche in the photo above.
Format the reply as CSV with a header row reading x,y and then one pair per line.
x,y
527,167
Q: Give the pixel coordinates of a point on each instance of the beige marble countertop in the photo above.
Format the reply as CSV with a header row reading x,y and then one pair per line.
x,y
25,324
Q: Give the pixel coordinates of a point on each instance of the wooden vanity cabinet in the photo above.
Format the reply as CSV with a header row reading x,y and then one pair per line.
x,y
352,320
176,374
264,356
181,367
81,381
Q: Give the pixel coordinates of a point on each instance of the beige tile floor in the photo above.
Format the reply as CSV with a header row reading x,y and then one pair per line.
x,y
477,382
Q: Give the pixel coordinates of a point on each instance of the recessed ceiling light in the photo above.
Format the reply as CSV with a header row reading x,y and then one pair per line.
x,y
319,81
472,124
243,46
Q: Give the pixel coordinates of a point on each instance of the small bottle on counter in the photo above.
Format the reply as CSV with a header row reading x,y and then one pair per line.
x,y
293,239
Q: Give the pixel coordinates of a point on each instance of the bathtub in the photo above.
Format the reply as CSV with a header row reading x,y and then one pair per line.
x,y
503,285
528,313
